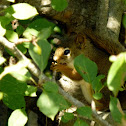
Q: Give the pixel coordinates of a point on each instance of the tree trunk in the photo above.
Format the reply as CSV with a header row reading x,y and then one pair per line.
x,y
99,20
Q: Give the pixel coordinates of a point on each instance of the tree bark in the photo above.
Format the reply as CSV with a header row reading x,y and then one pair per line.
x,y
100,20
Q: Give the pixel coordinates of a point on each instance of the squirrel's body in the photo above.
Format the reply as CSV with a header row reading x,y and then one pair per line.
x,y
64,56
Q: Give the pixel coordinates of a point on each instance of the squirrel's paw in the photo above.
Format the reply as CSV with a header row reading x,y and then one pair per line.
x,y
55,67
58,67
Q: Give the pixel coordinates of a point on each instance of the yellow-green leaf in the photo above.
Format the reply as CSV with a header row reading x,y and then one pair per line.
x,y
116,114
11,1
22,11
2,30
18,118
11,36
48,105
116,74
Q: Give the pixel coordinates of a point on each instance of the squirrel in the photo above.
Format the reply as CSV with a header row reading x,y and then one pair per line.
x,y
76,85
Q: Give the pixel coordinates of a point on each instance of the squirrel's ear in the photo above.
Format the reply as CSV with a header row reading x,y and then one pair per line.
x,y
80,41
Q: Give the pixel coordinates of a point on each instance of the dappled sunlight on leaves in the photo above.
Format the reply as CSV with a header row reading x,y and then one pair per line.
x,y
18,118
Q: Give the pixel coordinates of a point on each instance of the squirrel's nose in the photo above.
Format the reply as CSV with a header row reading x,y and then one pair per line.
x,y
55,58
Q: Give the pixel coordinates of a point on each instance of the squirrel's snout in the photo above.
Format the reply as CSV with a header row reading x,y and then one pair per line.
x,y
55,58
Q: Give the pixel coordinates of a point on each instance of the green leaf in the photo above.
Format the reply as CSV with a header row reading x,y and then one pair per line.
x,y
11,36
9,52
86,68
1,69
18,118
30,32
62,102
116,74
8,17
80,122
45,33
57,29
18,71
85,111
1,95
10,85
31,91
97,84
97,96
3,22
59,5
13,92
2,60
41,60
117,116
39,27
66,117
21,75
25,22
48,105
26,44
20,30
2,30
50,87
22,48
37,49
9,27
22,11
14,101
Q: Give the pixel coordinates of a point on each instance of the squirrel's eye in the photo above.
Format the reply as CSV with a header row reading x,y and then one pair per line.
x,y
66,52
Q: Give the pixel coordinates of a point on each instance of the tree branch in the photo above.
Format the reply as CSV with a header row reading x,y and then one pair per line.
x,y
77,103
111,47
17,53
35,71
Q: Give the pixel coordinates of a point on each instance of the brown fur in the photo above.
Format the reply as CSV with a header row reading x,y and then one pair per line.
x,y
79,44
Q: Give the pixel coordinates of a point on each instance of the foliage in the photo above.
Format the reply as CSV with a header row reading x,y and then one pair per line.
x,y
18,118
84,68
50,102
115,80
85,111
67,117
22,11
80,122
41,58
117,116
59,5
88,70
13,91
14,78
116,75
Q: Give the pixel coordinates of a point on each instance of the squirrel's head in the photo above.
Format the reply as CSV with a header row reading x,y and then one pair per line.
x,y
69,49
63,55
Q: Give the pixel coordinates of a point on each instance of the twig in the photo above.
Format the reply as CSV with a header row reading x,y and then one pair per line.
x,y
12,47
21,40
35,71
77,103
47,5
